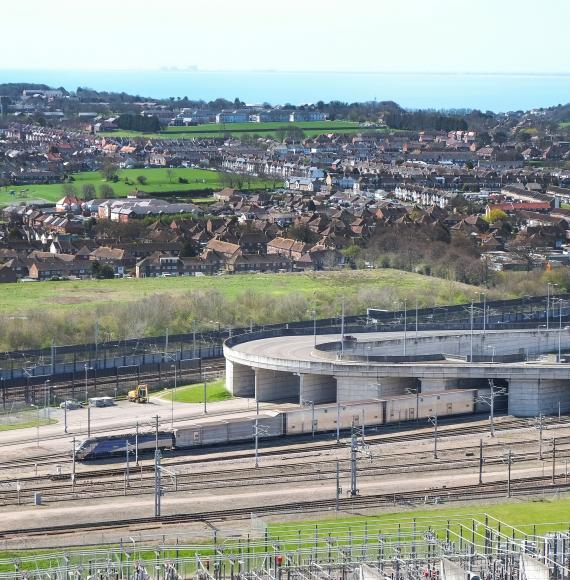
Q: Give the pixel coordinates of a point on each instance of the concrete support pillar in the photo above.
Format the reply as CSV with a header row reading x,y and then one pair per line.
x,y
437,385
317,388
528,398
240,379
365,388
271,386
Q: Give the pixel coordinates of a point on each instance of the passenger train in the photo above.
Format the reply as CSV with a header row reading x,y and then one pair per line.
x,y
298,421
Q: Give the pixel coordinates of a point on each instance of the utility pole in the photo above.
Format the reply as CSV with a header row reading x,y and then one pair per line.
x,y
156,434
490,400
471,334
353,462
166,342
257,431
137,444
88,419
480,461
97,343
509,461
157,486
172,395
337,421
405,324
484,313
127,472
338,487
256,437
205,394
314,327
547,303
416,318
342,328
73,463
560,331
539,423
433,421
553,460
86,394
65,416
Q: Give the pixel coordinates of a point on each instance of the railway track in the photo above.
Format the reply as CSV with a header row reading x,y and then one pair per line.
x,y
374,437
63,388
520,487
103,483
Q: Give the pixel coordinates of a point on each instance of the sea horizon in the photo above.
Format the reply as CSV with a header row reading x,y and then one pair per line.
x,y
498,92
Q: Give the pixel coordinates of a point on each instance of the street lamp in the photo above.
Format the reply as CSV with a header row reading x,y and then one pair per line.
x,y
471,334
405,303
46,399
173,393
314,327
539,340
548,285
484,294
559,331
37,408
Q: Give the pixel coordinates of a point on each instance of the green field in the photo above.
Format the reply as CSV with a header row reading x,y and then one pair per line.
x,y
528,517
158,181
548,515
565,124
216,391
311,129
26,424
319,288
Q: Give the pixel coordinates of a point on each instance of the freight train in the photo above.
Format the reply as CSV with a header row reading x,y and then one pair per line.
x,y
298,421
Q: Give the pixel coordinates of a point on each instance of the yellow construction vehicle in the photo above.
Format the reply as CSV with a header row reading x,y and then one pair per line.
x,y
139,394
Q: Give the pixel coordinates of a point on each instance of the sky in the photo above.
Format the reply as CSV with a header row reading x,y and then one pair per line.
x,y
490,36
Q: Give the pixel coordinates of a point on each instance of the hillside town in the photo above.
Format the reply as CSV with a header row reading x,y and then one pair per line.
x,y
337,200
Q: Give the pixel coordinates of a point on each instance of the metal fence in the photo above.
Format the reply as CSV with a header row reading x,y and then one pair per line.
x,y
402,550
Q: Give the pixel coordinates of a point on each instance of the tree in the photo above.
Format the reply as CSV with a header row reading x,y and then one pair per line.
x,y
106,191
88,191
170,174
144,123
500,137
69,190
102,271
495,215
109,171
142,180
188,250
302,234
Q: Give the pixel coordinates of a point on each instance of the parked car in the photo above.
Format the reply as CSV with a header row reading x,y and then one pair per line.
x,y
70,405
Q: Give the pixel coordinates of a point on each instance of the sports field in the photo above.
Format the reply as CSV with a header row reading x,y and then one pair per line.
x,y
211,130
157,181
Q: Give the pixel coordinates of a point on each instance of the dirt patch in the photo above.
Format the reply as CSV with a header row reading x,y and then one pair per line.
x,y
68,299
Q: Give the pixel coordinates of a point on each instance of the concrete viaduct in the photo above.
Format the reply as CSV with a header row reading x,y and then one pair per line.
x,y
286,366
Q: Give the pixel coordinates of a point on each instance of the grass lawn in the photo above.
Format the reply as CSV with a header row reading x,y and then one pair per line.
x,y
322,288
216,391
565,124
311,129
546,515
158,181
26,424
527,517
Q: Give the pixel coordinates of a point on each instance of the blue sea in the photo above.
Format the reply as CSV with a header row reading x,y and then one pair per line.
x,y
496,92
